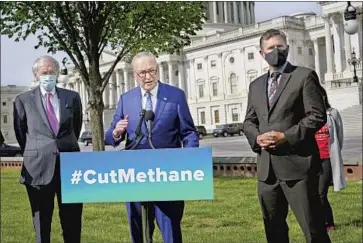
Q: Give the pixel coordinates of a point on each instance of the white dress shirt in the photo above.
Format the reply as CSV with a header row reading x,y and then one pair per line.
x,y
154,93
54,100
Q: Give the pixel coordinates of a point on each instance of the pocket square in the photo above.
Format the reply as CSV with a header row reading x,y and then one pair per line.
x,y
68,106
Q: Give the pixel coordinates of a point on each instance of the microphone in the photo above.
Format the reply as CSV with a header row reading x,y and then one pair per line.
x,y
149,118
137,132
138,129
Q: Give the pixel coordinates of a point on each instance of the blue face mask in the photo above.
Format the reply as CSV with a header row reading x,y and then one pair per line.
x,y
48,82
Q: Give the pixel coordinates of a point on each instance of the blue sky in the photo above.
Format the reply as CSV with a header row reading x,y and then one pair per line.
x,y
18,57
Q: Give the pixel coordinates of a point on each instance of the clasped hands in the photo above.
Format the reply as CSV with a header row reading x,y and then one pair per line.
x,y
270,140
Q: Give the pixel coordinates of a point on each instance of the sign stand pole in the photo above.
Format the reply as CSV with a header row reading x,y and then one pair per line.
x,y
145,222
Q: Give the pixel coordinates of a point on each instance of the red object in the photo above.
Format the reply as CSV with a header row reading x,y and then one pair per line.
x,y
322,138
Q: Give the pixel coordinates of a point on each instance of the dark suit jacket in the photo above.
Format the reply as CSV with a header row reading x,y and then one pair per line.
x,y
173,126
298,111
35,137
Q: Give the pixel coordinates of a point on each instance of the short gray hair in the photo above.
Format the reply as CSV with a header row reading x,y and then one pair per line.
x,y
43,58
143,54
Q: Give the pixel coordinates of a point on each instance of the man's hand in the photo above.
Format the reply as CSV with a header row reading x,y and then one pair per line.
x,y
120,127
264,141
271,139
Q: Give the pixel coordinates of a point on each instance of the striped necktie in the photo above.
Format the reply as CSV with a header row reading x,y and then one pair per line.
x,y
273,87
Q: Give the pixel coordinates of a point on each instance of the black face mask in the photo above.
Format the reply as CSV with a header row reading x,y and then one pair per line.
x,y
277,57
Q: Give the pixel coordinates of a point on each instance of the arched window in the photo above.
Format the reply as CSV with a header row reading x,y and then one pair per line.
x,y
251,75
233,83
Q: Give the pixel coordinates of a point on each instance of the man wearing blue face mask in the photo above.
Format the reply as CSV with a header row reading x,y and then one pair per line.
x,y
47,121
281,129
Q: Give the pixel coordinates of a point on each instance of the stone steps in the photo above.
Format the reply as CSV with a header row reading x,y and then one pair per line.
x,y
352,120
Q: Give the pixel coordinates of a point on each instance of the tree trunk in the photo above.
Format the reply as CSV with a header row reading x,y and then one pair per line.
x,y
98,138
96,107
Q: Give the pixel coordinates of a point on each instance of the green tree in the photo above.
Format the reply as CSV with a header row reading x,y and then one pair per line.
x,y
84,29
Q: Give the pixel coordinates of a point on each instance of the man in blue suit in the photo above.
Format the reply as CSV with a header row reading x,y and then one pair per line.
x,y
173,127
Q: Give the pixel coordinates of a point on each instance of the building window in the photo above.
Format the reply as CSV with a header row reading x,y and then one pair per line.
x,y
231,60
235,116
216,116
213,63
199,66
201,90
4,103
5,119
202,117
311,51
215,88
233,83
251,56
299,50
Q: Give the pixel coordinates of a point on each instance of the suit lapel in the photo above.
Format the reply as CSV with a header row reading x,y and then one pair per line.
x,y
37,98
285,77
264,95
62,106
162,99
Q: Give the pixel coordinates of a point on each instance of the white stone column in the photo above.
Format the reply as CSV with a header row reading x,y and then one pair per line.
x,y
207,79
118,84
112,86
338,44
78,86
81,91
225,9
235,13
161,72
360,36
317,61
121,82
252,9
126,80
192,80
248,13
329,47
242,13
214,16
222,85
84,96
181,81
171,73
348,49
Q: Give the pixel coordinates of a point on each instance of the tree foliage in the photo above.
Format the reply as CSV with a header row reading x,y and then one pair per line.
x,y
84,29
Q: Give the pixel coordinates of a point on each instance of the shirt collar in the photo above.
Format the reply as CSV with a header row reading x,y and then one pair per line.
x,y
280,69
153,92
44,92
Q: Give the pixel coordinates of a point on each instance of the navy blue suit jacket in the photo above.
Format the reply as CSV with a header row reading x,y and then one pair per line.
x,y
173,126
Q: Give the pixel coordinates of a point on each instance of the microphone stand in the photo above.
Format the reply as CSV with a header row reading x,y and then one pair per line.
x,y
138,135
145,206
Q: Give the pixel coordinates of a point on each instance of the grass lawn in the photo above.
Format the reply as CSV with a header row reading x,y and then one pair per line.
x,y
234,216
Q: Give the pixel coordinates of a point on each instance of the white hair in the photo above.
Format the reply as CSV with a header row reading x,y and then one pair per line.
x,y
143,54
42,59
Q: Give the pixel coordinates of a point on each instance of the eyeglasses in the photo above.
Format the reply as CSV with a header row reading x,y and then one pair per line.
x,y
142,74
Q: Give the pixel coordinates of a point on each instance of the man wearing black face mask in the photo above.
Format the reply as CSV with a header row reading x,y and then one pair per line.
x,y
280,128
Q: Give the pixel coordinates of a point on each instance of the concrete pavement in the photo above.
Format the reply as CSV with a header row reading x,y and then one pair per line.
x,y
237,146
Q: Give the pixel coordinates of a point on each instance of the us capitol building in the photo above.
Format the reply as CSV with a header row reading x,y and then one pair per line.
x,y
216,69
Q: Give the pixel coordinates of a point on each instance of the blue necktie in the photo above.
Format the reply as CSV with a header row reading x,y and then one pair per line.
x,y
149,103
